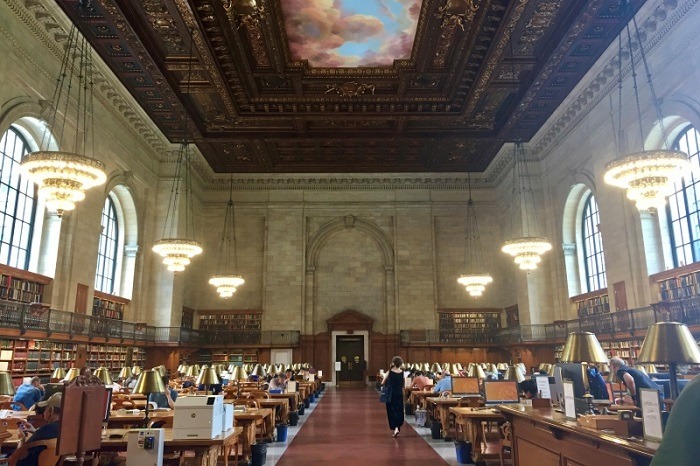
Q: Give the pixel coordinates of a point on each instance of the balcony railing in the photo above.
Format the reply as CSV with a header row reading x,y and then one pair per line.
x,y
26,318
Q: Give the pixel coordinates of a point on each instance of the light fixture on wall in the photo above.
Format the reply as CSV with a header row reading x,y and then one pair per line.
x,y
227,279
527,249
177,251
63,174
474,279
648,176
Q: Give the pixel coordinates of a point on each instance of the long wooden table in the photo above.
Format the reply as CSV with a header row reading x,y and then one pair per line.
x,y
545,437
249,420
121,419
438,409
206,451
472,421
292,398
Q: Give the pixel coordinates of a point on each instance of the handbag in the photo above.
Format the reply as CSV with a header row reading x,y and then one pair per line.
x,y
385,394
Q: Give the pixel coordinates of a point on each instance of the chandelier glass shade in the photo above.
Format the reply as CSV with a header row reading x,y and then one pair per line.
x,y
63,176
527,249
648,176
227,279
177,252
475,283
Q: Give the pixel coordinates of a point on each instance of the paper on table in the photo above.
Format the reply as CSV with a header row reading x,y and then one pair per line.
x,y
569,403
543,387
651,413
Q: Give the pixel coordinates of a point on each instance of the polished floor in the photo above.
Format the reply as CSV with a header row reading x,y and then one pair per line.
x,y
347,426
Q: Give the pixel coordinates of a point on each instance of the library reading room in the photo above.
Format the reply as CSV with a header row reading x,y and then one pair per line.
x,y
304,232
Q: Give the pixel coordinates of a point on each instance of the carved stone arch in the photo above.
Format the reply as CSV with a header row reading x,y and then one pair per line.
x,y
334,227
28,117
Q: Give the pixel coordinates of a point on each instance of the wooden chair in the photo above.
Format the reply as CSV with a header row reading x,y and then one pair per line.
x,y
47,457
11,404
505,454
259,394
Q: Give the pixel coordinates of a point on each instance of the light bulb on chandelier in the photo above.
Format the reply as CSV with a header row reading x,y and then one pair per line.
x,y
227,280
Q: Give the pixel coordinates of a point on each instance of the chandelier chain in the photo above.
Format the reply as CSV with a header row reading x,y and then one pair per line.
x,y
635,86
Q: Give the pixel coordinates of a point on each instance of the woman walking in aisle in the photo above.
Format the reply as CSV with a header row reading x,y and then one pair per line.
x,y
394,408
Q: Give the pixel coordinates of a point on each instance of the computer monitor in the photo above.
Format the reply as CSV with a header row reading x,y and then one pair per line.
x,y
107,406
51,388
498,392
576,372
464,386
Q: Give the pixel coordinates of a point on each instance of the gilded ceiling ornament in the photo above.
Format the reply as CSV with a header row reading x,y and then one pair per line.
x,y
350,89
457,13
245,12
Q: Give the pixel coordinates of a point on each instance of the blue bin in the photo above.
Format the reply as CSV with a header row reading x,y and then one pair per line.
x,y
312,398
464,452
281,432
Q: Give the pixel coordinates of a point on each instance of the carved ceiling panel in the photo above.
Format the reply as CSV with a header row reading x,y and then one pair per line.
x,y
479,73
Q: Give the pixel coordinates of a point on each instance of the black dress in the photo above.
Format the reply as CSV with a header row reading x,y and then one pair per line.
x,y
394,409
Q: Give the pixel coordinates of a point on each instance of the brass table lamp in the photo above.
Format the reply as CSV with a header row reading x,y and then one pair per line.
x,y
208,378
72,373
669,343
6,385
149,381
58,374
514,373
583,347
103,374
124,373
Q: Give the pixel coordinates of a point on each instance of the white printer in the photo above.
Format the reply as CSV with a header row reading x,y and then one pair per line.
x,y
198,417
227,423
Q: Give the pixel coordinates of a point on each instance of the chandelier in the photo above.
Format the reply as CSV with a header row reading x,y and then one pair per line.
x,y
528,249
177,251
647,176
227,279
63,176
474,279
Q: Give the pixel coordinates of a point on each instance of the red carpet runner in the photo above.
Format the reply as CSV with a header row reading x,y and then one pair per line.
x,y
349,427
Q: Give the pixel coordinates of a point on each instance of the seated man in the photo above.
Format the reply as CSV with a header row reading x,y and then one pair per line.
x,y
529,388
278,382
50,430
29,393
445,383
421,381
167,399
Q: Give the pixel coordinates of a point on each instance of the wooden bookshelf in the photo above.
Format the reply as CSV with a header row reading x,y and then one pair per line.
x,y
114,357
107,305
231,320
593,303
21,285
465,326
28,358
187,321
677,284
234,356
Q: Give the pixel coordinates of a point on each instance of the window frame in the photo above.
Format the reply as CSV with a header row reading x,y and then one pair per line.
x,y
678,208
104,240
23,193
592,245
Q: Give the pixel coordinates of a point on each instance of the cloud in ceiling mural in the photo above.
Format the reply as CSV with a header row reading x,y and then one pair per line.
x,y
350,33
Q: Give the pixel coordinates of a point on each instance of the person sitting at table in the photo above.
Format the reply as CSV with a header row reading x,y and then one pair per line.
x,y
289,375
278,382
444,384
421,381
50,430
167,399
529,389
633,380
597,384
29,394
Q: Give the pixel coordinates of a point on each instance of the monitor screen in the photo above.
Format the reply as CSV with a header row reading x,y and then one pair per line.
x,y
51,388
462,386
501,392
576,372
107,407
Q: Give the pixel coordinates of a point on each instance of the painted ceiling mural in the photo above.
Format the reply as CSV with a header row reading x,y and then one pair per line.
x,y
351,33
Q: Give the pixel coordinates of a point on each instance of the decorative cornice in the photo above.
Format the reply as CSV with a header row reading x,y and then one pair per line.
x,y
659,21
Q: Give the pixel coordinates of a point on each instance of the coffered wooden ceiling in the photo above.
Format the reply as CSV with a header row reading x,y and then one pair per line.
x,y
478,75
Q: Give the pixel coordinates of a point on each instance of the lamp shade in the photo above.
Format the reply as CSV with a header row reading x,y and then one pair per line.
x,y
514,373
259,371
58,373
136,370
208,377
583,347
103,374
668,342
72,373
239,373
192,371
479,373
502,366
149,382
6,386
125,372
436,368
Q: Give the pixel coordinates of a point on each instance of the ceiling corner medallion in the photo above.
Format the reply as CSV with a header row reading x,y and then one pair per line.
x,y
245,12
350,89
457,13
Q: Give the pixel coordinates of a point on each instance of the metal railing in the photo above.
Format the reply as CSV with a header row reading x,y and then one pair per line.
x,y
30,318
628,321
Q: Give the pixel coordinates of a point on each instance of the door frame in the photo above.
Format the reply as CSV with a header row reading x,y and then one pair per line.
x,y
334,339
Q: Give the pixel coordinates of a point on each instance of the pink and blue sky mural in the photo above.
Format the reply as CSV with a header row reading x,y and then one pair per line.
x,y
350,33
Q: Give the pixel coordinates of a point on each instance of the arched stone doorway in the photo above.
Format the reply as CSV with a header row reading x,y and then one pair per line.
x,y
349,333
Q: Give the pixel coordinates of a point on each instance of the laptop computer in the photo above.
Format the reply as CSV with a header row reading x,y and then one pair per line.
x,y
501,392
465,386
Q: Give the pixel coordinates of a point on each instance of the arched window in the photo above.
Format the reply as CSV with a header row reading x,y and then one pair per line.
x,y
683,207
107,253
593,258
17,202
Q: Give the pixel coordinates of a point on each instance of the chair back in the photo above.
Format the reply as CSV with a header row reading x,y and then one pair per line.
x,y
11,405
47,457
472,402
